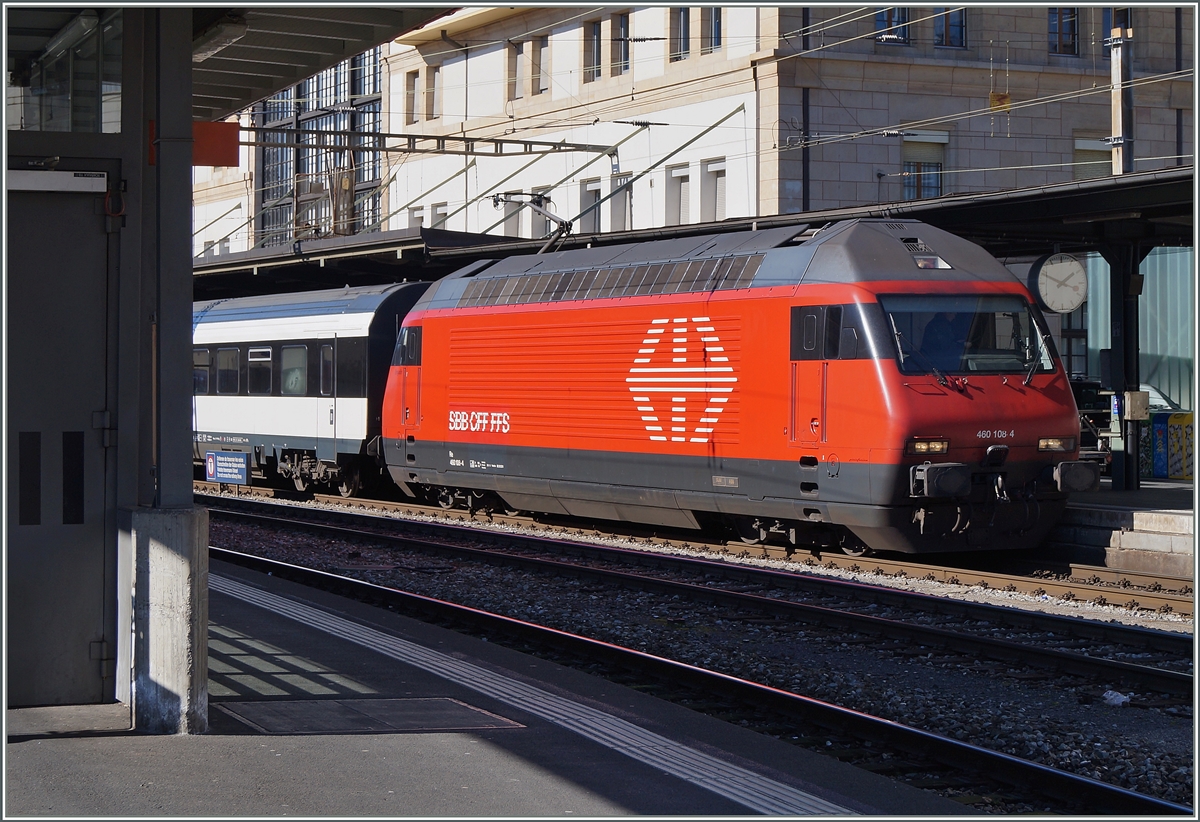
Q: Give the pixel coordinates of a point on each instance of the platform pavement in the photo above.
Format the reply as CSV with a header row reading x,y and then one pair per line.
x,y
310,719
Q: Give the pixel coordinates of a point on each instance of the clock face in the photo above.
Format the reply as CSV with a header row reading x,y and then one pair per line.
x,y
1059,282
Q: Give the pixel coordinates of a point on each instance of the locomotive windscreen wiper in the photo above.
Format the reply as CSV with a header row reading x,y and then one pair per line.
x,y
1037,359
921,358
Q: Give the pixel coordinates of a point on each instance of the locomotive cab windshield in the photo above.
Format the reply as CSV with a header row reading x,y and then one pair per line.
x,y
967,334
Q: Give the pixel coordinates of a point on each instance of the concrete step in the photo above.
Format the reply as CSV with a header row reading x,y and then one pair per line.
x,y
1156,541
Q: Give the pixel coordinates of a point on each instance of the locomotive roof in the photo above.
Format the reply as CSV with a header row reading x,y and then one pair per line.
x,y
859,250
349,300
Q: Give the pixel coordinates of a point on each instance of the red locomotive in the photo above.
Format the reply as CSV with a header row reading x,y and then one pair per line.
x,y
870,385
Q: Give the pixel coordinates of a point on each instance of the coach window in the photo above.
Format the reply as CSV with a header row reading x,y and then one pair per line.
x,y
201,364
351,372
227,370
258,368
293,370
326,370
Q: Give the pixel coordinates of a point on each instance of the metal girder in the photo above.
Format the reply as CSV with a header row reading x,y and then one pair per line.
x,y
419,143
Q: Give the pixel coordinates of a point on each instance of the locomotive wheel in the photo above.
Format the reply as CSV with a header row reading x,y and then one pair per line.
x,y
852,547
445,498
350,483
750,531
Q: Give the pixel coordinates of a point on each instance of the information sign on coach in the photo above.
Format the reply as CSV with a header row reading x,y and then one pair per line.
x,y
227,466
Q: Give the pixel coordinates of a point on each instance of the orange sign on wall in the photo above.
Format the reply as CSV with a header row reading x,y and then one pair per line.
x,y
213,144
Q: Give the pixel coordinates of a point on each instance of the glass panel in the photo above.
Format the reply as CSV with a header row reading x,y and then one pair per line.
x,y
227,371
326,370
351,375
200,371
293,370
258,371
965,333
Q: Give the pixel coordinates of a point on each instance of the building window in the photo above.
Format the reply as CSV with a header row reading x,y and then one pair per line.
x,y
441,211
512,215
922,169
679,195
416,217
589,211
1064,30
620,206
364,74
411,81
591,51
433,92
1092,158
681,34
891,26
712,199
950,28
1074,341
620,44
516,71
710,30
539,223
541,65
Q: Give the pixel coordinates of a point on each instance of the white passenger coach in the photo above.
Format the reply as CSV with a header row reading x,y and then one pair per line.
x,y
296,381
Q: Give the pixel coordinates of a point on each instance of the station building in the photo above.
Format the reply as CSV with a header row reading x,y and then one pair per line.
x,y
678,115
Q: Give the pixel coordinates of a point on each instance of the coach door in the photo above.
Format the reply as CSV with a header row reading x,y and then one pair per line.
x,y
326,447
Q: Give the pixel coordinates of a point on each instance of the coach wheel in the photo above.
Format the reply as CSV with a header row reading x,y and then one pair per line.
x,y
750,531
350,482
446,498
301,482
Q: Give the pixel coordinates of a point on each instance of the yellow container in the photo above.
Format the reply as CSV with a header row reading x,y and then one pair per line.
x,y
1180,446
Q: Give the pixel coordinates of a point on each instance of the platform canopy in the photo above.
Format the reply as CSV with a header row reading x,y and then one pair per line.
x,y
241,55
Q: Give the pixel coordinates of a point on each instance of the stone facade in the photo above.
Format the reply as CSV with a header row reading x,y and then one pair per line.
x,y
727,131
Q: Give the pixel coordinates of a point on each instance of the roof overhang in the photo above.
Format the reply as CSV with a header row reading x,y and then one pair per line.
x,y
254,51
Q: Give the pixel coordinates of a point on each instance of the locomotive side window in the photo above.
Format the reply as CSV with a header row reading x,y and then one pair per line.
x,y
201,368
326,370
967,334
828,332
833,331
227,370
258,371
293,370
410,346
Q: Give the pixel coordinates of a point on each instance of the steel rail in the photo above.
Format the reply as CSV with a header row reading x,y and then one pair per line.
x,y
1131,598
1062,785
1179,644
1155,679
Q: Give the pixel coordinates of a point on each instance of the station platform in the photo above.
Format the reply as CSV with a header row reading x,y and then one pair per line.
x,y
322,706
1151,528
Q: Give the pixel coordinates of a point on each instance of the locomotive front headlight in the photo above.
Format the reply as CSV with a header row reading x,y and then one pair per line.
x,y
923,448
1056,444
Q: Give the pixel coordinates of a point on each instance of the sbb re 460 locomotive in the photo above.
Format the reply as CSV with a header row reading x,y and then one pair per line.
x,y
874,384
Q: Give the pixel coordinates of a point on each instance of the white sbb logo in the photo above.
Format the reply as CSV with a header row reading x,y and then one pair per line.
x,y
681,379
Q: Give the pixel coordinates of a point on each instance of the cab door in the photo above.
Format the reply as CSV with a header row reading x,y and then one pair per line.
x,y
410,406
809,375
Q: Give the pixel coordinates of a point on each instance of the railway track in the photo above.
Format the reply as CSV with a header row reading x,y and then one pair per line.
x,y
1132,590
871,742
1103,652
